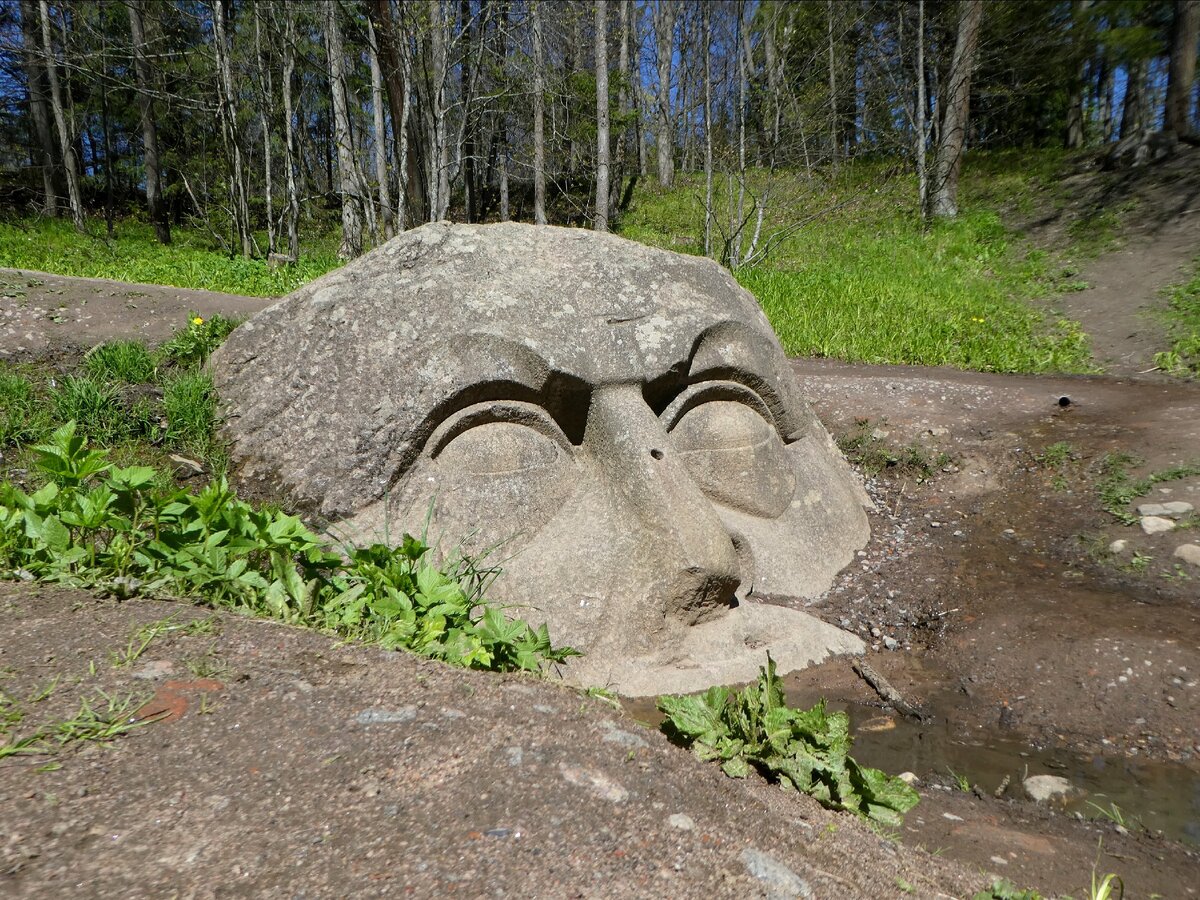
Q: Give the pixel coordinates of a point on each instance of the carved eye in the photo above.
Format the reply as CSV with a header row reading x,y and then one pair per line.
x,y
499,448
495,470
731,449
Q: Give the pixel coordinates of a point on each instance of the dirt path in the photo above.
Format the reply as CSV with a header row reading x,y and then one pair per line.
x,y
43,314
1159,242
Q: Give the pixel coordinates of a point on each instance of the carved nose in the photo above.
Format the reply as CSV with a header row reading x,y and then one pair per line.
x,y
685,543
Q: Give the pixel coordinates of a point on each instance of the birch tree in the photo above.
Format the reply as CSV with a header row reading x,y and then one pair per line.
x,y
65,136
601,222
352,238
943,198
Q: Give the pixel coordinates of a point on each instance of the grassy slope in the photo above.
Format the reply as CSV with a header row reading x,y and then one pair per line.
x,y
52,245
861,279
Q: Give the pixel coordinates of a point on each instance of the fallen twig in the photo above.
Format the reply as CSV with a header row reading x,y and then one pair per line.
x,y
887,693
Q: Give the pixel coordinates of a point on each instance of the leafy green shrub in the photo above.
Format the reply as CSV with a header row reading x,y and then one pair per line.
x,y
190,402
23,415
129,362
94,404
807,750
95,525
192,344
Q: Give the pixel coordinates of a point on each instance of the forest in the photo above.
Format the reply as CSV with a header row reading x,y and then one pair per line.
x,y
259,122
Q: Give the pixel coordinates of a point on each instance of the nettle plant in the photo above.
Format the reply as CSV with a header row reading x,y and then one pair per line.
x,y
802,749
99,526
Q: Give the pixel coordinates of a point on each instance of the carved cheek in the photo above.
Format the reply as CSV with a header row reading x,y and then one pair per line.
x,y
736,457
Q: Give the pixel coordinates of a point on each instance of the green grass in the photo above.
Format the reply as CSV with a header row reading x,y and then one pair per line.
x,y
52,245
128,362
1183,322
23,414
863,280
1118,488
93,403
190,402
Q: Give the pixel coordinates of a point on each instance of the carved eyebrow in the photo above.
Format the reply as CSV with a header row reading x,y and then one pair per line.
x,y
512,411
708,391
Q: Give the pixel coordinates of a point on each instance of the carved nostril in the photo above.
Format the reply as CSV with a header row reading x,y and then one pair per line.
x,y
656,453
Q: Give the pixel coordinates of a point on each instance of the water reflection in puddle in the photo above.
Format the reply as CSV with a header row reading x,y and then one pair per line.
x,y
1160,796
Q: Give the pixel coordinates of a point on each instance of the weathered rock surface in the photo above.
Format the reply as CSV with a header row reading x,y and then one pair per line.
x,y
1172,510
1189,553
619,421
1043,788
1156,525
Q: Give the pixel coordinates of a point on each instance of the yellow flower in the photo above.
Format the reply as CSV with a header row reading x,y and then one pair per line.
x,y
198,321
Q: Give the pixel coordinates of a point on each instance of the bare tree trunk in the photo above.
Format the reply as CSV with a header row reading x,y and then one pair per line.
x,y
468,72
239,200
1185,29
539,119
922,135
601,223
948,164
60,120
394,57
618,179
352,239
706,27
1074,135
162,228
289,131
39,106
1133,118
381,141
439,177
833,104
266,100
638,96
664,34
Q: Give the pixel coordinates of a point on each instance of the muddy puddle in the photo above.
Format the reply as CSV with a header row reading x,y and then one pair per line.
x,y
1157,796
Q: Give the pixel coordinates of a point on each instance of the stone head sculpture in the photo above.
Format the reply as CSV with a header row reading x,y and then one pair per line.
x,y
619,422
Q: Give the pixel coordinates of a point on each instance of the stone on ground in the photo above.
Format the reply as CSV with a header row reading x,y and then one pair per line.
x,y
1156,525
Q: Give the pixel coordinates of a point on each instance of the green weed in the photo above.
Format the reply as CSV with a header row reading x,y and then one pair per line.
x,y
94,404
1003,889
190,403
1118,488
127,362
192,344
1183,323
873,455
805,750
23,413
95,525
961,782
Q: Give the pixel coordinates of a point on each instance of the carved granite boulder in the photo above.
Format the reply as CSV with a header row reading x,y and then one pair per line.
x,y
618,423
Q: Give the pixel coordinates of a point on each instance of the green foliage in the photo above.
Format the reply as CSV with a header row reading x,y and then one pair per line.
x,y
127,362
94,404
1183,319
807,750
190,402
861,279
1003,889
864,449
95,525
192,344
23,413
53,245
1118,488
